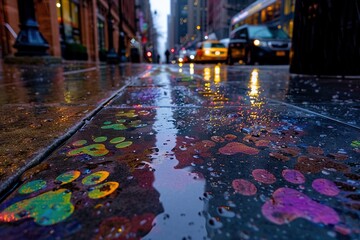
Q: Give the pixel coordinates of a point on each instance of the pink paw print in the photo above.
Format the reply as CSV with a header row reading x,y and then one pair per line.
x,y
286,204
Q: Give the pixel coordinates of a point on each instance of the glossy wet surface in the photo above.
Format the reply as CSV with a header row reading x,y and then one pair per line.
x,y
40,104
198,152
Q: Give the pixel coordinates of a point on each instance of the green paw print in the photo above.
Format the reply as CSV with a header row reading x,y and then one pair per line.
x,y
52,207
121,126
128,114
355,144
115,126
97,149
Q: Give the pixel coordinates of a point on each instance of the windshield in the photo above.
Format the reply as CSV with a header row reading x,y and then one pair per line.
x,y
265,32
214,45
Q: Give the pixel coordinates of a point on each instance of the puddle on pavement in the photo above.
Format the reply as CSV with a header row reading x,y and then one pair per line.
x,y
175,186
239,172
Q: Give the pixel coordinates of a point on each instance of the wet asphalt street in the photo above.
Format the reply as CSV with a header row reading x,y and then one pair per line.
x,y
182,152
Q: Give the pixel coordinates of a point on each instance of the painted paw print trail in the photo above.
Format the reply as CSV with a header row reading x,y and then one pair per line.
x,y
120,125
98,148
123,124
54,206
288,204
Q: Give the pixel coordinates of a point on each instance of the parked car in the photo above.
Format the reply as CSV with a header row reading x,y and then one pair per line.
x,y
182,58
258,44
225,41
211,51
190,54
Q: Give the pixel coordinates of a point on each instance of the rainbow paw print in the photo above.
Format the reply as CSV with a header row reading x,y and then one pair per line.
x,y
98,148
54,206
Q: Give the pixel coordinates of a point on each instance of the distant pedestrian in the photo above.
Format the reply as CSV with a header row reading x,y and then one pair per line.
x,y
167,55
158,58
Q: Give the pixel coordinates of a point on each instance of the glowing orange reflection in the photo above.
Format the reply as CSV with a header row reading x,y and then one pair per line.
x,y
207,74
192,69
254,86
211,89
217,78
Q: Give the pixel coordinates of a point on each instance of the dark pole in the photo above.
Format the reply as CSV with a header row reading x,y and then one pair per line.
x,y
5,48
111,56
29,41
326,37
121,34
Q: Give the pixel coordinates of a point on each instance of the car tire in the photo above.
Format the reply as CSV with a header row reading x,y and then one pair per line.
x,y
249,58
229,60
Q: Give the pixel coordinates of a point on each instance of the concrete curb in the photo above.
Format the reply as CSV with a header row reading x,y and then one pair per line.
x,y
43,60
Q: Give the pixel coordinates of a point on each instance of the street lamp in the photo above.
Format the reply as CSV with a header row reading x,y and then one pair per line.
x,y
29,42
111,56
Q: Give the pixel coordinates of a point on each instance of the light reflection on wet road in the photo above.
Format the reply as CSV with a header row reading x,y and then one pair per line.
x,y
175,186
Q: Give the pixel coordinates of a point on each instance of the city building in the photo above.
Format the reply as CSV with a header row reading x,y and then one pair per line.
x,y
178,23
220,13
74,29
187,23
197,21
192,21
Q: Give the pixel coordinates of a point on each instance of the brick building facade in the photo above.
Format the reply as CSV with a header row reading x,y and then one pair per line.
x,y
74,29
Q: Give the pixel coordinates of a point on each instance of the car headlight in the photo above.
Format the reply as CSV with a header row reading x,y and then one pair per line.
x,y
192,57
207,52
259,43
181,60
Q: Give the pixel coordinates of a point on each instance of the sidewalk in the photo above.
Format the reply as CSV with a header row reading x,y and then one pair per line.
x,y
176,156
41,107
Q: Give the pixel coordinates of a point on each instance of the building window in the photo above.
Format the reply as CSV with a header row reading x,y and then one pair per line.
x,y
287,7
263,16
69,19
101,32
291,27
277,9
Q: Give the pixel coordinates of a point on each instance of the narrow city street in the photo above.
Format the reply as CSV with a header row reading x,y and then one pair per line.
x,y
193,151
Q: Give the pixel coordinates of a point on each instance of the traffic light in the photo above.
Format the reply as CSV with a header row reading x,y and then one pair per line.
x,y
149,54
172,50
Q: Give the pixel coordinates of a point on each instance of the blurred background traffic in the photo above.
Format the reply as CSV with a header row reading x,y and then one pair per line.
x,y
129,31
316,37
217,25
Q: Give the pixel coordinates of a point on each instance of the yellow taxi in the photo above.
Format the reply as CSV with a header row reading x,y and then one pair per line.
x,y
211,51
